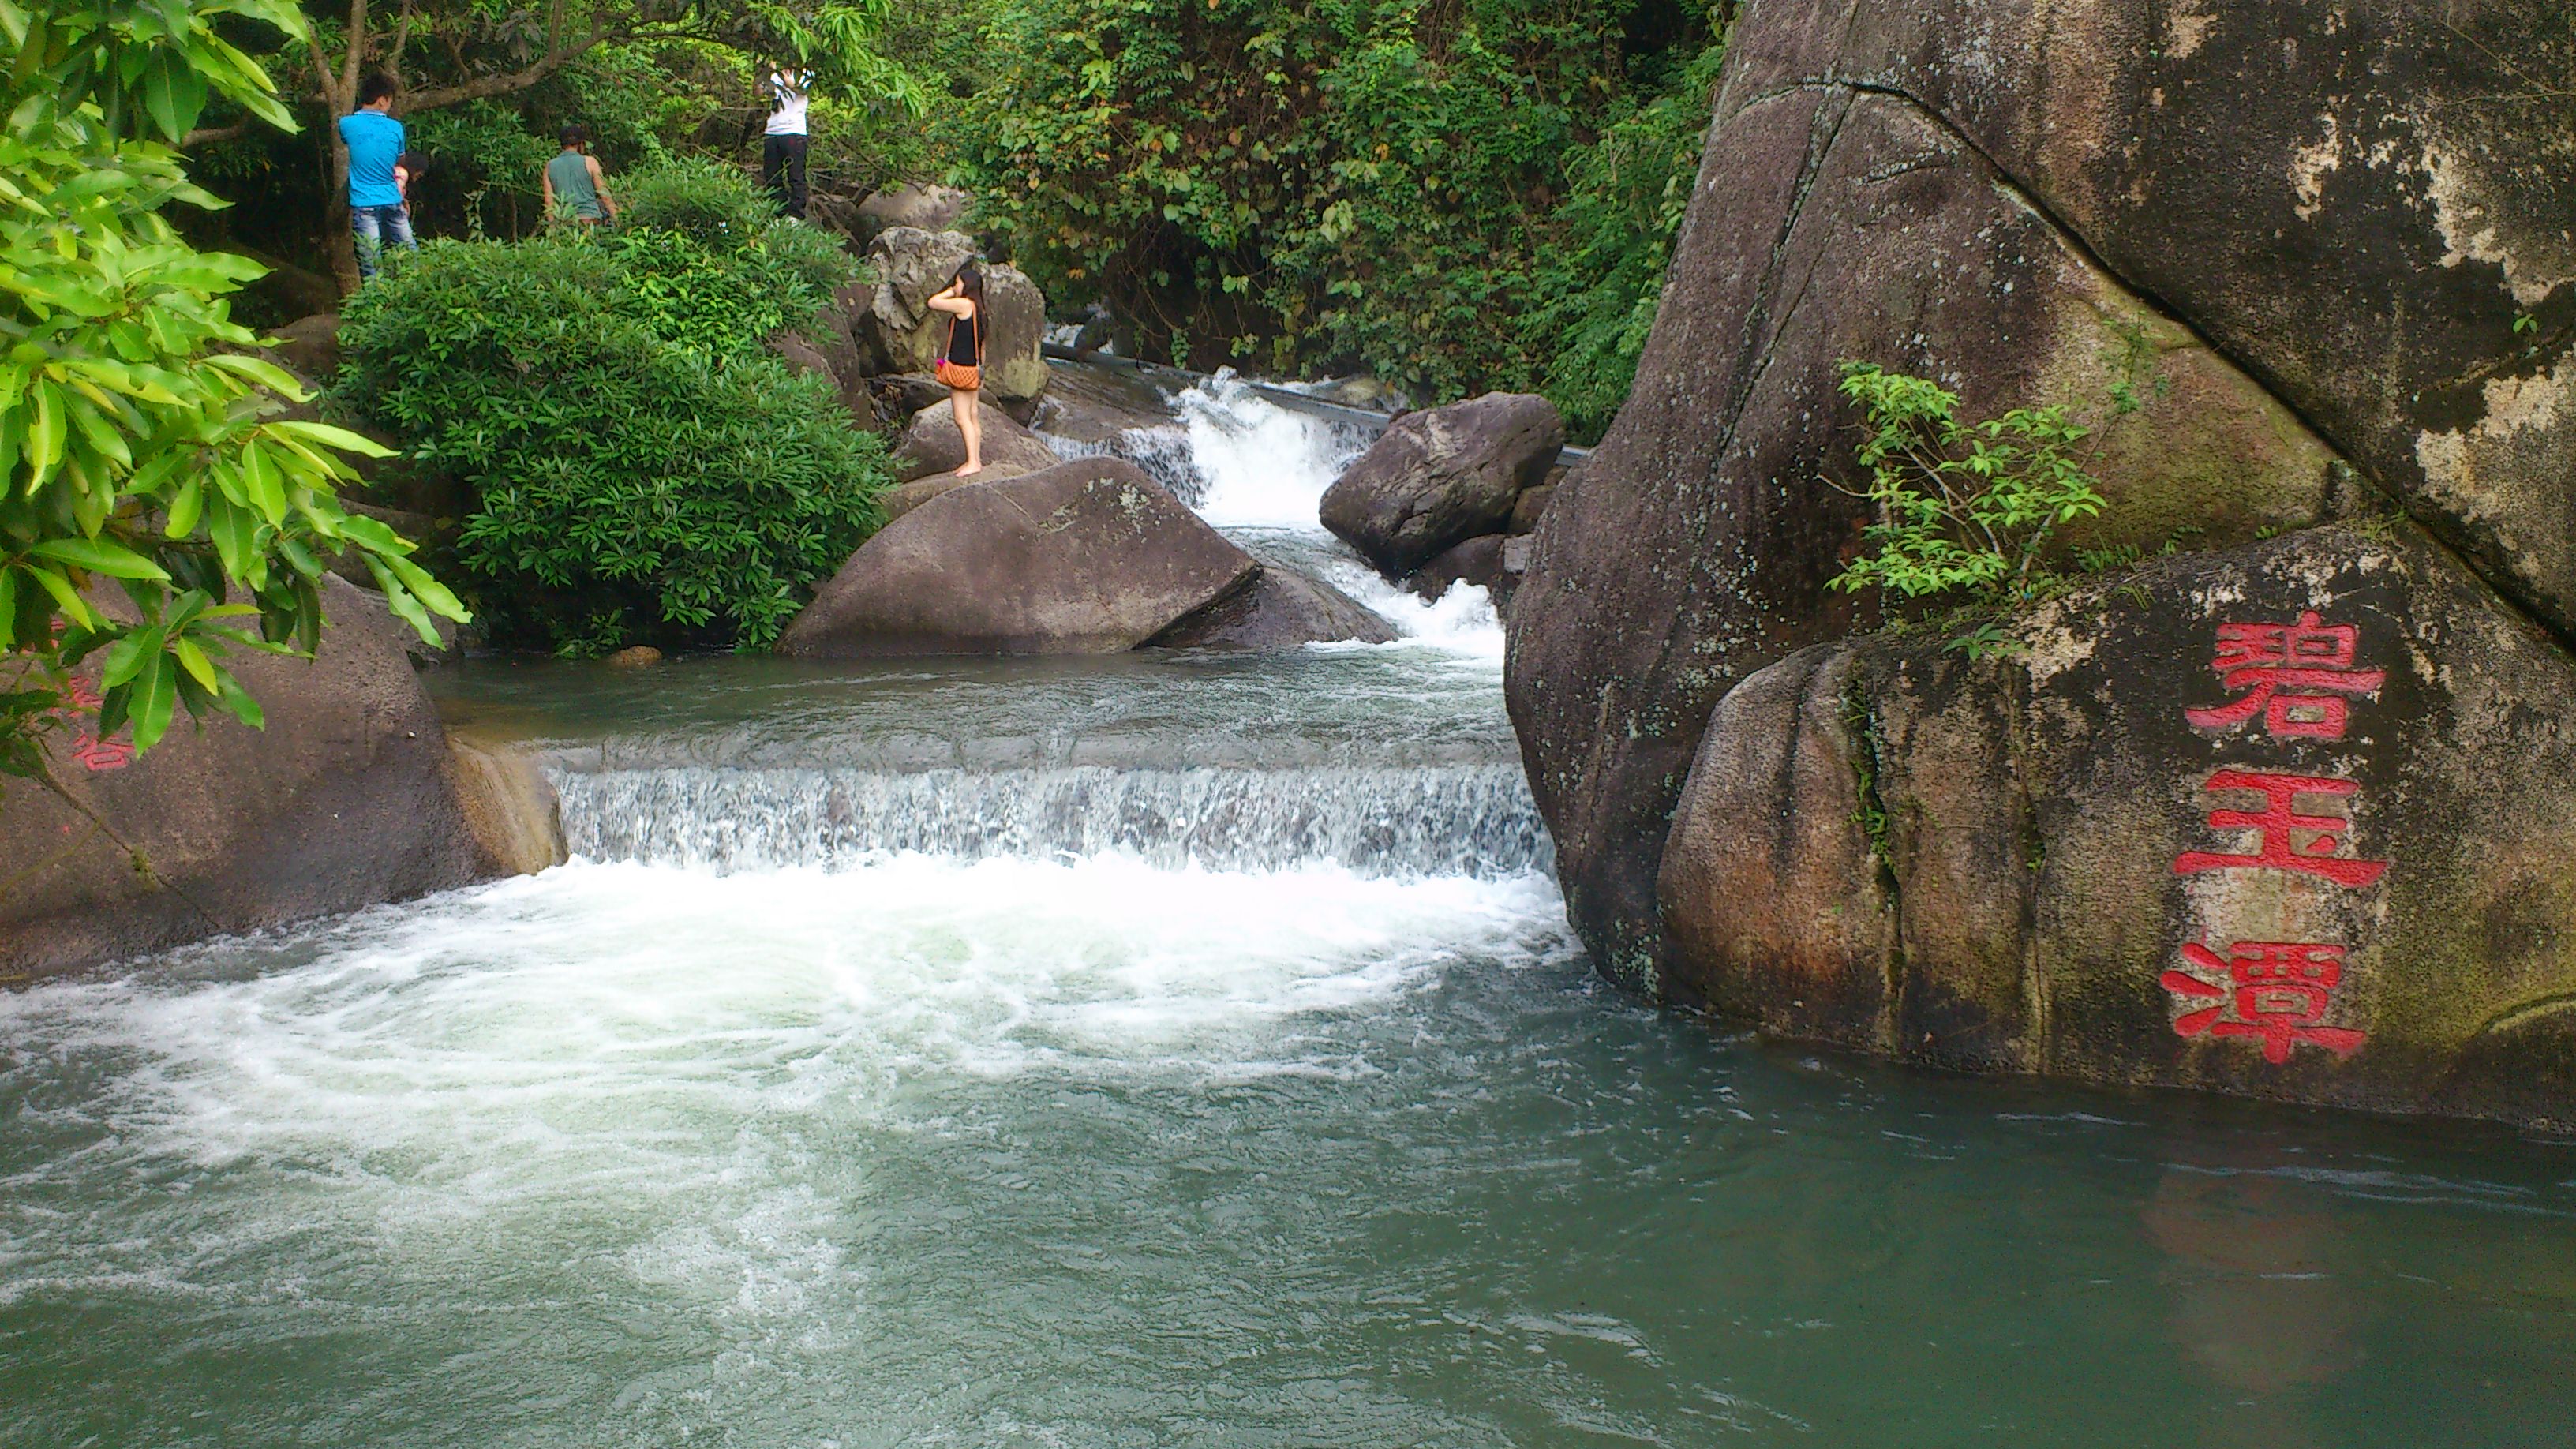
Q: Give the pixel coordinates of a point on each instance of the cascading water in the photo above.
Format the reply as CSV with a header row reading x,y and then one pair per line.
x,y
1464,820
1225,798
1163,453
1266,465
1178,1050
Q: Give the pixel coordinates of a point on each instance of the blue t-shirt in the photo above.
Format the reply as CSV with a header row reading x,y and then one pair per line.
x,y
375,142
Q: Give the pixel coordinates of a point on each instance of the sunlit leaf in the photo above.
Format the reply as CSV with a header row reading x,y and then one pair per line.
x,y
100,555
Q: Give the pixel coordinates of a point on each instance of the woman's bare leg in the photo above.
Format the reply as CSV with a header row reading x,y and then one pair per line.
x,y
970,426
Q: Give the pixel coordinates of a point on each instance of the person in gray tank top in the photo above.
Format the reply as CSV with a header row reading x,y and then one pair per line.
x,y
574,185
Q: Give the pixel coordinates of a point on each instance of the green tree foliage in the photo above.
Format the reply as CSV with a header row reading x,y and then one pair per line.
x,y
643,466
139,436
1602,270
1963,508
634,68
1437,193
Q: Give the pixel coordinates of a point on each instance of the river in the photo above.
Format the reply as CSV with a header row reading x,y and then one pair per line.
x,y
1153,1051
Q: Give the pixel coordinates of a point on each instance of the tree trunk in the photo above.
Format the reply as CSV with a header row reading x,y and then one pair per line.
x,y
339,87
338,246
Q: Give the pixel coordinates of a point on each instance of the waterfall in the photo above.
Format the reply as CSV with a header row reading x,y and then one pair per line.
x,y
1266,466
1240,459
1308,791
1161,453
1471,820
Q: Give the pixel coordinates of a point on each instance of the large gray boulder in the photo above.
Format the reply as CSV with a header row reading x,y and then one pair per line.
x,y
2076,857
931,445
1095,406
353,795
1280,609
924,208
309,347
892,329
1087,557
1100,409
2303,235
1490,561
1439,477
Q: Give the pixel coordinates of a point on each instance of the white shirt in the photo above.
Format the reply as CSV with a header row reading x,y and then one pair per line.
x,y
787,101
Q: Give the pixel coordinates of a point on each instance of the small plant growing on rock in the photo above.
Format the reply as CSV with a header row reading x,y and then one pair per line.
x,y
1963,508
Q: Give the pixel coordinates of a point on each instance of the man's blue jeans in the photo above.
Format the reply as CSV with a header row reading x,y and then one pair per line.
x,y
377,227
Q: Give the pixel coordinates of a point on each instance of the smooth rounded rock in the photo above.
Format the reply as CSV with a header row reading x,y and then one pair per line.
x,y
1530,508
2079,856
1438,477
1279,609
1488,561
932,445
926,208
350,797
1086,557
309,347
892,329
2329,273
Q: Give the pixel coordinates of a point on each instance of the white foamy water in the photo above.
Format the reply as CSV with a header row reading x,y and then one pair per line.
x,y
617,1037
1266,466
1473,820
1463,621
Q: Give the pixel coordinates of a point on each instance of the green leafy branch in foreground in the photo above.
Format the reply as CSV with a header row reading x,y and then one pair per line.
x,y
1962,507
135,444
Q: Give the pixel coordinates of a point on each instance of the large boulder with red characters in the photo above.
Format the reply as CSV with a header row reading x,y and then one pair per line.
x,y
2289,820
2286,276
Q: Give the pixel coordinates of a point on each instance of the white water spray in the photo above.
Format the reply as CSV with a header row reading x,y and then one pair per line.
x,y
1267,466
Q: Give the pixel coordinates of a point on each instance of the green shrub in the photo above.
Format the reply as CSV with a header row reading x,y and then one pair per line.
x,y
710,301
807,258
642,466
706,261
710,203
1593,298
1963,508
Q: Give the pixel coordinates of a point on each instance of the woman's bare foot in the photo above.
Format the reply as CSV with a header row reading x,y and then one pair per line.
x,y
968,470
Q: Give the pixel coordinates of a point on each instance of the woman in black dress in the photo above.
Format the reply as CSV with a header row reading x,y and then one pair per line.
x,y
961,365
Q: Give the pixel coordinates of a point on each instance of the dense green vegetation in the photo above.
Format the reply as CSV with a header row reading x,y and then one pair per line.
x,y
642,466
477,78
1454,197
139,436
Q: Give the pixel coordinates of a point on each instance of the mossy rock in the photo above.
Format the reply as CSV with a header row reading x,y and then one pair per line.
x,y
2007,863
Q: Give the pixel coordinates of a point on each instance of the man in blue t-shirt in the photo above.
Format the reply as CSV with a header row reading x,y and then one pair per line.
x,y
375,142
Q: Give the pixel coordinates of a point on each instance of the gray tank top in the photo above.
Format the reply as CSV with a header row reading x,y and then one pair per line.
x,y
570,172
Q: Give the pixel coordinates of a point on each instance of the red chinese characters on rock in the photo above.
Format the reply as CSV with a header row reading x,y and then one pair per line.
x,y
2300,680
2280,991
94,754
98,754
2284,838
2297,676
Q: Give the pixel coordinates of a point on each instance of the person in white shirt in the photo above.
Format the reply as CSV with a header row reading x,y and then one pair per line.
x,y
782,151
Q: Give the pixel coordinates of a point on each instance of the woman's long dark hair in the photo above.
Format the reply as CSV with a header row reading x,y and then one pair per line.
x,y
970,283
